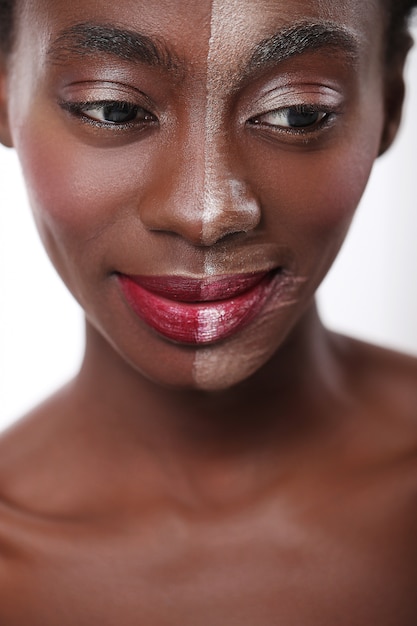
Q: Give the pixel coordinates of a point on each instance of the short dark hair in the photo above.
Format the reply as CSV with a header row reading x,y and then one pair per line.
x,y
399,12
6,24
398,25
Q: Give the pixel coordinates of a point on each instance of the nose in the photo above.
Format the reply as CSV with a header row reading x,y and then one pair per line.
x,y
197,196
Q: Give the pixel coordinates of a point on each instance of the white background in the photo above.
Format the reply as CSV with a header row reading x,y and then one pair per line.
x,y
371,292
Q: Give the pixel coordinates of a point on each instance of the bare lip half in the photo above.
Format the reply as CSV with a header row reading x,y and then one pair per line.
x,y
197,311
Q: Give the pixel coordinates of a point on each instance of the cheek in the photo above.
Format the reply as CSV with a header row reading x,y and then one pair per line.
x,y
78,194
331,193
84,205
312,198
75,186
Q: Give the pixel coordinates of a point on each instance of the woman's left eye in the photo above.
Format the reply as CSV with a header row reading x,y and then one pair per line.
x,y
296,118
110,113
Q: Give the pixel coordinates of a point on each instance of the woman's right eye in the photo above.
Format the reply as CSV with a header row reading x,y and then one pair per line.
x,y
110,113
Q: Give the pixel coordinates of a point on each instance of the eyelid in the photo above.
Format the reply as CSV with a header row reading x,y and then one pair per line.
x,y
79,97
105,91
301,89
97,104
318,96
100,86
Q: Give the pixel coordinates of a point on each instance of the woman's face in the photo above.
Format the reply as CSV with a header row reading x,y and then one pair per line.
x,y
194,165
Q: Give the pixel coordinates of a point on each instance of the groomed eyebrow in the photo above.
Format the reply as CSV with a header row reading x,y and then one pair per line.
x,y
85,39
304,37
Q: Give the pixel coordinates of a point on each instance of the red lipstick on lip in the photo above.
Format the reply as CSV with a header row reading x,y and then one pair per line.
x,y
196,311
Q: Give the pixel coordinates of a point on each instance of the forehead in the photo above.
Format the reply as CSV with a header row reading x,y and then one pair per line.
x,y
224,31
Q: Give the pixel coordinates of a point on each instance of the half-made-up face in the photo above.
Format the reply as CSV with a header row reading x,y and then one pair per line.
x,y
194,165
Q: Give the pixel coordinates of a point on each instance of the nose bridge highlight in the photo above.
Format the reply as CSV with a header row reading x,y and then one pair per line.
x,y
202,194
228,206
199,194
210,200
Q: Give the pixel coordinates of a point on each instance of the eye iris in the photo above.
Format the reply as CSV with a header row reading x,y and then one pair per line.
x,y
302,117
119,113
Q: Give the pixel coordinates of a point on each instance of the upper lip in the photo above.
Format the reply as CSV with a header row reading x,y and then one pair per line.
x,y
205,289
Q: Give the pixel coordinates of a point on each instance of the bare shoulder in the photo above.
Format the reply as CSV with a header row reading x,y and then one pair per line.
x,y
36,456
382,391
26,447
35,503
387,378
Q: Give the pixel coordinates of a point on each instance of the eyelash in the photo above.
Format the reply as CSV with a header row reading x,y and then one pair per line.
x,y
325,116
79,109
324,113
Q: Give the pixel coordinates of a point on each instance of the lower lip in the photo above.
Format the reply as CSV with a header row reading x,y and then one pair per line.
x,y
196,323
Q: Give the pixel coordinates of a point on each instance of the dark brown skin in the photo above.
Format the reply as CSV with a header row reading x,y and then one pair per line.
x,y
158,488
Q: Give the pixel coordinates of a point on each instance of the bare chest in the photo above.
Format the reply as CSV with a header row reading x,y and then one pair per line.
x,y
173,574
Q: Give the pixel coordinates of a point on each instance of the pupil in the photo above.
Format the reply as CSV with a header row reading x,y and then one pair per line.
x,y
301,118
119,113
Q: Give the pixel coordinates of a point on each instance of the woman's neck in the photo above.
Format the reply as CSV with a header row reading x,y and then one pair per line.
x,y
290,395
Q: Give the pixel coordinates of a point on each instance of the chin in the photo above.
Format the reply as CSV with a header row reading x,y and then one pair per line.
x,y
218,368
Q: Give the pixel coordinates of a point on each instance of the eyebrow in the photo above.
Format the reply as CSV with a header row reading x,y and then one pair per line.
x,y
304,37
84,39
81,40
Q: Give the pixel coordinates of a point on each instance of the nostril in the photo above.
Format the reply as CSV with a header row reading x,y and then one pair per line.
x,y
223,238
226,222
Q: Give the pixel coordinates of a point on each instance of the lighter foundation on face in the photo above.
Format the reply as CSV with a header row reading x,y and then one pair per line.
x,y
229,208
221,366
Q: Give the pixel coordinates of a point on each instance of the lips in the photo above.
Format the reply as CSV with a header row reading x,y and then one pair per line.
x,y
197,311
